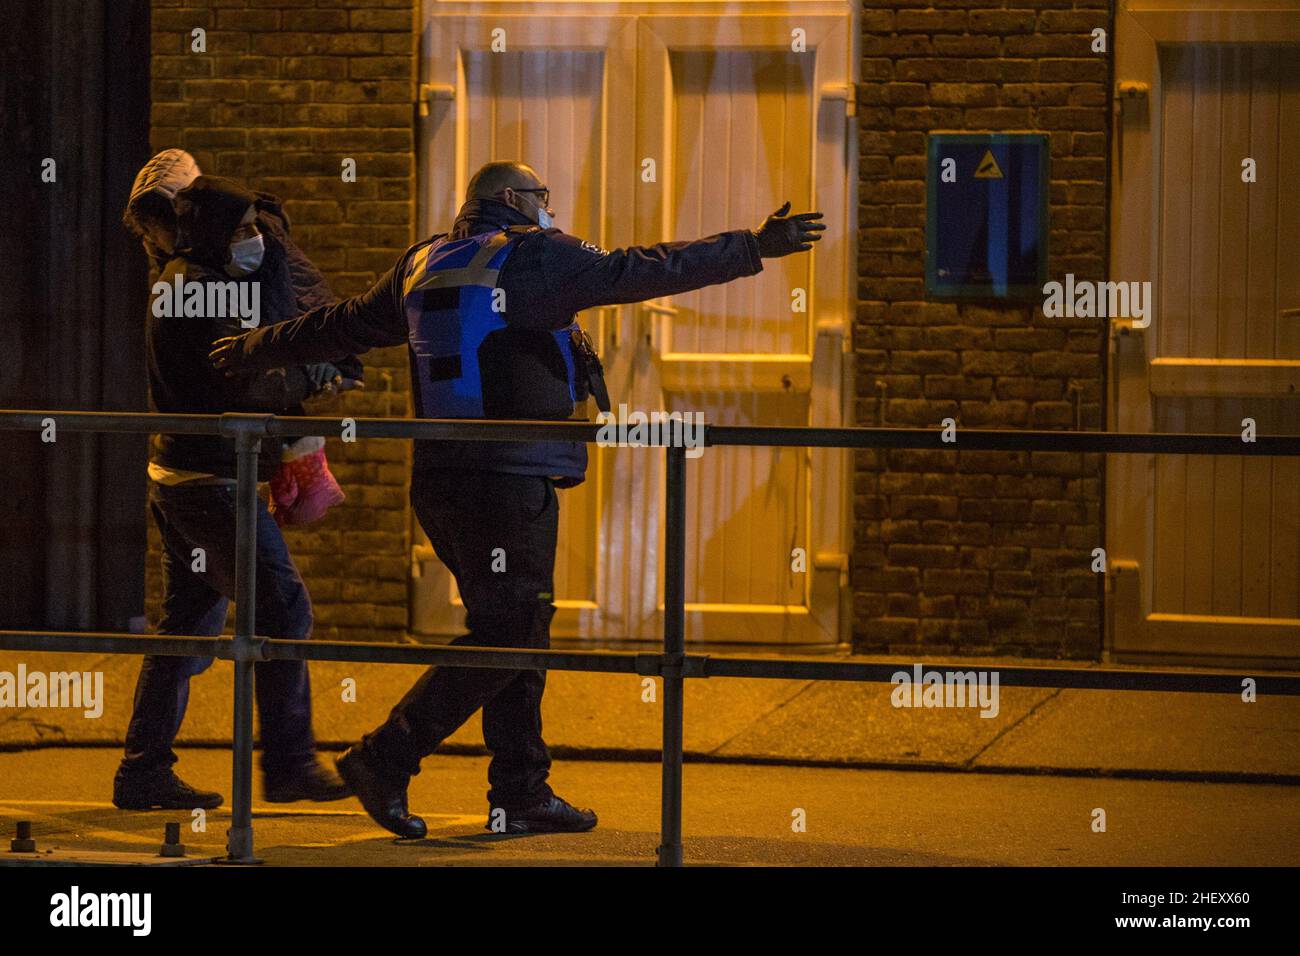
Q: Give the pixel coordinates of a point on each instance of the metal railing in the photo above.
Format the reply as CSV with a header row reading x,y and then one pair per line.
x,y
673,664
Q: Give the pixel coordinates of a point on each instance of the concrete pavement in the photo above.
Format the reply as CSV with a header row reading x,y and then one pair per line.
x,y
734,815
608,715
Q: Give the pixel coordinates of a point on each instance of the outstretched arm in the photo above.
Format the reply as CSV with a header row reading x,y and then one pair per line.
x,y
578,275
370,320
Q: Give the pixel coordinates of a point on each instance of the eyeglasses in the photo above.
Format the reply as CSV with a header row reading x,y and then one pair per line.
x,y
544,192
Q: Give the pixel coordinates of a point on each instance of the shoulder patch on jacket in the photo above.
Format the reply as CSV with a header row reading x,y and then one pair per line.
x,y
592,247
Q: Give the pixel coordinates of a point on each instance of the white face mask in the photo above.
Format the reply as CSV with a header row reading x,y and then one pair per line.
x,y
544,218
245,256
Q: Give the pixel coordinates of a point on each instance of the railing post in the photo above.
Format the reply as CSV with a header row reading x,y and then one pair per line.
x,y
239,838
670,839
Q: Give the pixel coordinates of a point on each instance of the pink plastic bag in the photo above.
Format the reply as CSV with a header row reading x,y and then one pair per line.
x,y
303,489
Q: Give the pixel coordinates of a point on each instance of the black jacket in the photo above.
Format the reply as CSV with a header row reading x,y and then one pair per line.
x,y
311,291
181,379
548,278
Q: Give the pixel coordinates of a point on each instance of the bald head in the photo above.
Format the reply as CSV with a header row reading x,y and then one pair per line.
x,y
493,178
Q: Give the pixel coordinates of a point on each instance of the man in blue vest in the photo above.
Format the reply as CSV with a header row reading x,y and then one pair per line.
x,y
487,311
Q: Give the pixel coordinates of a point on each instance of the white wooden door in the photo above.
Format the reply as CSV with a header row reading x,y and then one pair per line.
x,y
585,93
1205,551
738,121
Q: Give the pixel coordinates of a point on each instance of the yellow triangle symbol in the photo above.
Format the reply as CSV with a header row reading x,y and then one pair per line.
x,y
988,167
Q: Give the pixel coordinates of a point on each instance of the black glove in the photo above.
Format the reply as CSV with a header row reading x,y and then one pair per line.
x,y
782,236
326,379
320,375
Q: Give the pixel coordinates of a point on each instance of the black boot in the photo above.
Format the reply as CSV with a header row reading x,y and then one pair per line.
x,y
553,815
145,790
382,792
310,782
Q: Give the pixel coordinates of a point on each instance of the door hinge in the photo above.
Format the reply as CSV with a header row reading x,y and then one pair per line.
x,y
831,561
1132,90
428,92
1125,327
834,561
842,91
421,553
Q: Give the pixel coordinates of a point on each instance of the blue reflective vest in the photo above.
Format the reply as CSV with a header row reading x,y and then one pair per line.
x,y
466,362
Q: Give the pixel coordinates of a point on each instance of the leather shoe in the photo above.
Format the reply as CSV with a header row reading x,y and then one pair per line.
x,y
382,792
136,790
311,782
553,815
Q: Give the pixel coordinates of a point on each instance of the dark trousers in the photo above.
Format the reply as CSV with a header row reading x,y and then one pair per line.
x,y
203,517
467,516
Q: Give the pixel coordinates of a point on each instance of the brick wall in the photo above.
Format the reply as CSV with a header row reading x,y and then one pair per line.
x,y
978,552
286,90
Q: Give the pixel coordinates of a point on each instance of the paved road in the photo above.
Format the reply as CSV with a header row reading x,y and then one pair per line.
x,y
734,815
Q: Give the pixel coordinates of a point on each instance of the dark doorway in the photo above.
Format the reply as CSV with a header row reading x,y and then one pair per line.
x,y
74,88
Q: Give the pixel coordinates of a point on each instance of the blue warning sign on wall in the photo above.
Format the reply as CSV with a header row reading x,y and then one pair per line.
x,y
986,215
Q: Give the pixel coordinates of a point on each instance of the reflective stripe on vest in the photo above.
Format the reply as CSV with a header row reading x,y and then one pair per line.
x,y
448,294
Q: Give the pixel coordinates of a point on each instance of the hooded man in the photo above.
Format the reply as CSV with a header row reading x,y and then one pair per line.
x,y
150,213
488,314
218,245
150,216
